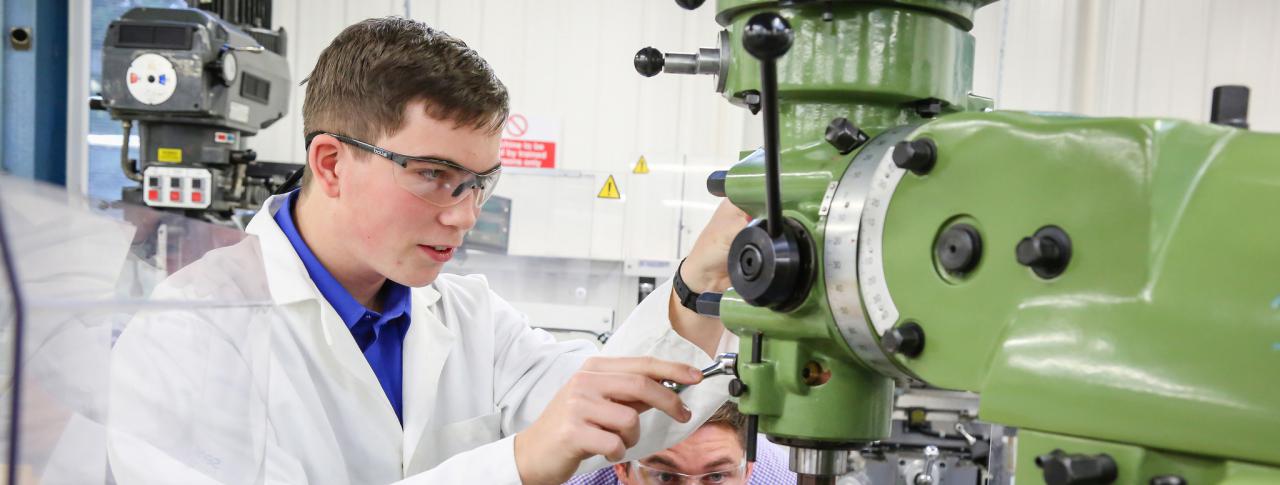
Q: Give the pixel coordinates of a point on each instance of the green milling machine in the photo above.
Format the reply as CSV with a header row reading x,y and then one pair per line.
x,y
1106,291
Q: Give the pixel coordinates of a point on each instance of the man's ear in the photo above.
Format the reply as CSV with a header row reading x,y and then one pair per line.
x,y
621,470
750,465
322,159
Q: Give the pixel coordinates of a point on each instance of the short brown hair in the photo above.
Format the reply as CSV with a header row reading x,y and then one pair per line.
x,y
364,79
728,415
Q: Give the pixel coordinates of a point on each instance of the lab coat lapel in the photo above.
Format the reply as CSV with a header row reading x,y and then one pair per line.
x,y
426,348
289,283
286,276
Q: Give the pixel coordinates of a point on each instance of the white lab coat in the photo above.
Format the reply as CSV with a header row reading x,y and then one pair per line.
x,y
280,393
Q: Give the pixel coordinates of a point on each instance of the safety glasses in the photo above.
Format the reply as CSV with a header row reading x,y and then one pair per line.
x,y
438,181
653,476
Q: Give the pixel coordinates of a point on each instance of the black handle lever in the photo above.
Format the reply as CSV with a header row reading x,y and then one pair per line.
x,y
767,36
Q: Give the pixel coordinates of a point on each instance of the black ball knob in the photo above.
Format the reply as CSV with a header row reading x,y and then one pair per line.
x,y
906,339
1061,468
959,249
767,36
1047,252
844,136
737,388
649,61
689,4
716,182
918,155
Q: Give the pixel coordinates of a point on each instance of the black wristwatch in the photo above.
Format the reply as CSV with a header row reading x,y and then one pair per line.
x,y
688,298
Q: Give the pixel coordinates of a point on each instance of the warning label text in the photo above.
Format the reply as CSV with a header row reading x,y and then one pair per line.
x,y
528,153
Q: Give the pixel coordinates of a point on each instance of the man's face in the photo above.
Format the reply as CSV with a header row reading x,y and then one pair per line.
x,y
712,448
394,232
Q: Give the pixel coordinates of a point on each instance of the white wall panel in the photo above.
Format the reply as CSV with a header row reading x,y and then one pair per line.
x,y
1171,72
1039,55
1146,58
988,32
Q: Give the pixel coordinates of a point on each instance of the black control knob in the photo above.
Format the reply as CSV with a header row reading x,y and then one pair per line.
x,y
1061,468
737,388
767,36
708,304
752,100
689,4
906,339
1047,252
716,181
959,249
244,156
929,108
772,272
844,136
918,155
649,61
1230,106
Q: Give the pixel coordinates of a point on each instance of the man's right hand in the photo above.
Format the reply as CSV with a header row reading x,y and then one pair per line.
x,y
598,413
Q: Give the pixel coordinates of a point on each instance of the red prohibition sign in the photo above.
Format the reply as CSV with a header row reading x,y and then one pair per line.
x,y
517,126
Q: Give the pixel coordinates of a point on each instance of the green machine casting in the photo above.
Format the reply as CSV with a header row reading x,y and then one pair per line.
x,y
1109,288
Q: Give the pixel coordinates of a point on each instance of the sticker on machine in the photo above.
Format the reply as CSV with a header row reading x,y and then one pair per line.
x,y
169,155
238,112
151,79
224,137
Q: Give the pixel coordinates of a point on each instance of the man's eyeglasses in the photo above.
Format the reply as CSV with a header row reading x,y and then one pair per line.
x,y
438,181
654,476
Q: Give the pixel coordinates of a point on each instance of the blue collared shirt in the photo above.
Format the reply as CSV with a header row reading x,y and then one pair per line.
x,y
380,336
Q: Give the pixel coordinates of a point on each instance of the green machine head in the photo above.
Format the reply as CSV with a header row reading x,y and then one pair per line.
x,y
1106,290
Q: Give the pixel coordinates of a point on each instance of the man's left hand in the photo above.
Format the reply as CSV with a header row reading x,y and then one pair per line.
x,y
706,269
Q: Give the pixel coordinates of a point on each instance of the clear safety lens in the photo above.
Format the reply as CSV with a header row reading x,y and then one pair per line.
x,y
444,185
654,476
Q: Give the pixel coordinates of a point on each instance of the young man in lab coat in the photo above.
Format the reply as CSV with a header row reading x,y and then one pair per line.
x,y
374,366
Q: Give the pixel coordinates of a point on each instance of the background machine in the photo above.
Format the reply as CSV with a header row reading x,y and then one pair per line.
x,y
197,82
932,284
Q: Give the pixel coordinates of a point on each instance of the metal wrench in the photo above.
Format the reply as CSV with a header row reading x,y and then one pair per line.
x,y
726,364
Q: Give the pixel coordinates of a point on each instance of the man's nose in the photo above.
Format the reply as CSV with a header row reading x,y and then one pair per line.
x,y
461,215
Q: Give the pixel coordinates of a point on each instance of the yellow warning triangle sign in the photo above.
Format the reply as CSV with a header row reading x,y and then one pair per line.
x,y
641,166
610,190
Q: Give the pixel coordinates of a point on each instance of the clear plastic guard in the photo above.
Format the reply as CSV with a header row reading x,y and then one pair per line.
x,y
147,338
108,294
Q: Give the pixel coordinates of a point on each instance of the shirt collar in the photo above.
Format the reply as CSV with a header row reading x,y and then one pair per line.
x,y
395,296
